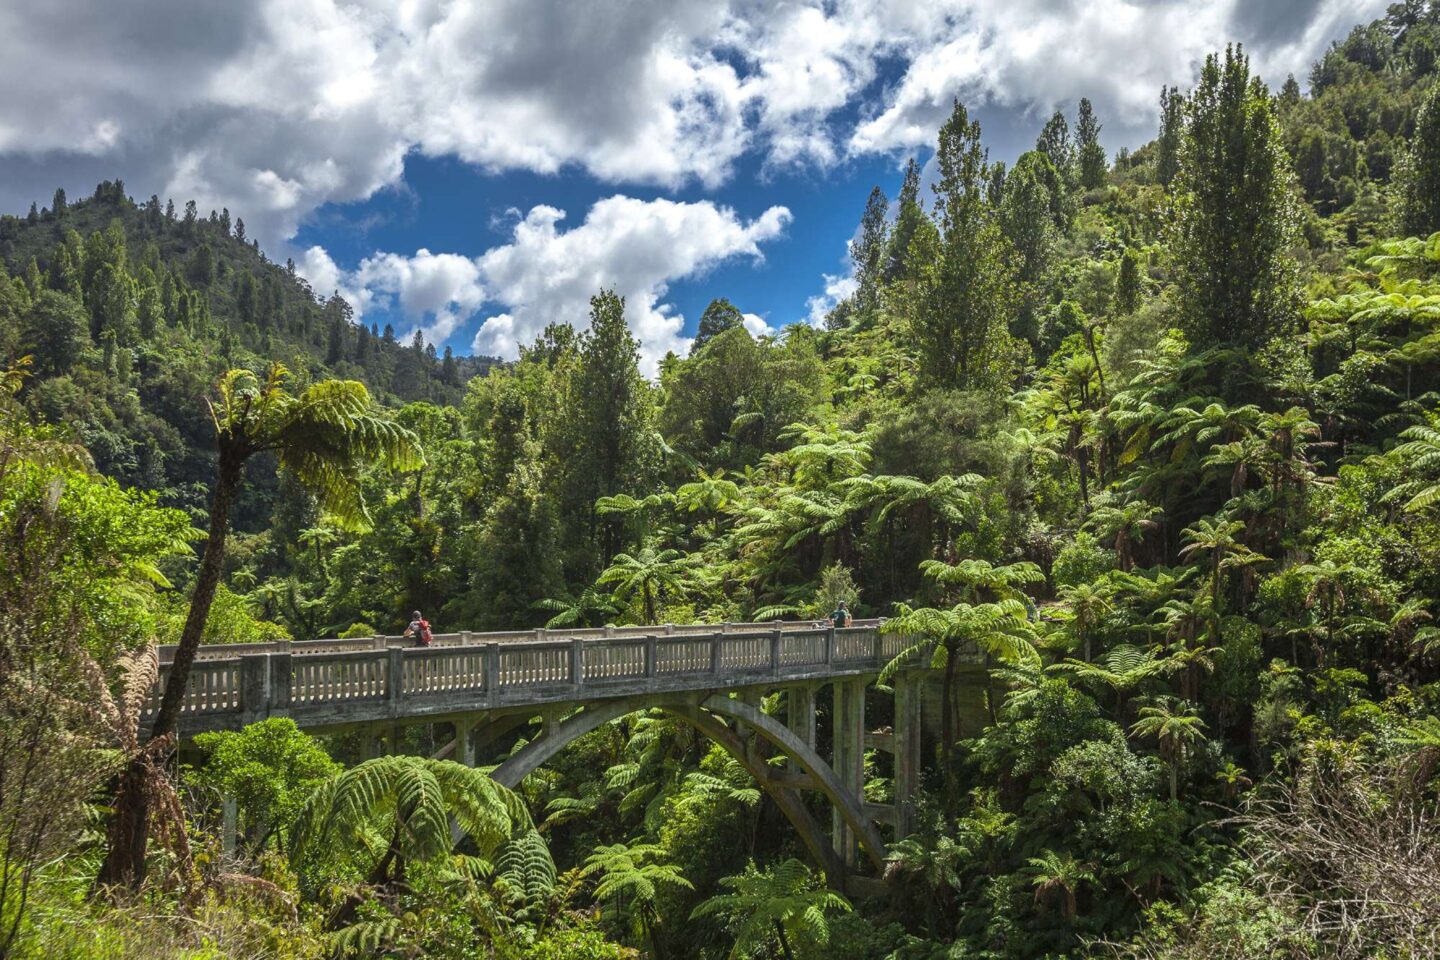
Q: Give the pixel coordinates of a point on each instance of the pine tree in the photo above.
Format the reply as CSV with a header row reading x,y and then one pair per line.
x,y
170,210
1091,154
240,229
1127,282
34,281
1027,220
1236,216
867,252
910,214
247,299
1418,180
58,205
610,413
362,344
720,315
201,270
34,215
958,311
149,310
1054,141
1172,134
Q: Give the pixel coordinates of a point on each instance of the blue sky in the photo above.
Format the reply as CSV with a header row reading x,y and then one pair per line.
x,y
416,155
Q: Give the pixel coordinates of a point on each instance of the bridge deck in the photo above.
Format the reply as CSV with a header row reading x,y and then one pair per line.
x,y
330,683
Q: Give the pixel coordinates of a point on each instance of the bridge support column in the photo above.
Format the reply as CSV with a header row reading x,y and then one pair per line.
x,y
908,731
800,717
849,759
465,741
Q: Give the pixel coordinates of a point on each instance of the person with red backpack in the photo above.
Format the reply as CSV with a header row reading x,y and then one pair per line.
x,y
419,628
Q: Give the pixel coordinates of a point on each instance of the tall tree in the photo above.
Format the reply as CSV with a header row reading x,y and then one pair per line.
x,y
1236,213
1091,156
324,436
1054,141
610,448
959,309
910,213
1127,282
867,252
1418,182
1031,194
1172,134
720,315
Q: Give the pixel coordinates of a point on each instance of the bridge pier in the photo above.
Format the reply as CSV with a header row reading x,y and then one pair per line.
x,y
848,759
908,730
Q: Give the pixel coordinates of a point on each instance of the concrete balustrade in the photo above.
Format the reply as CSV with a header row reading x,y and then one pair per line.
x,y
330,683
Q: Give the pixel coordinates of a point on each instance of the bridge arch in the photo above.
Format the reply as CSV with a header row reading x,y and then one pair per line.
x,y
709,715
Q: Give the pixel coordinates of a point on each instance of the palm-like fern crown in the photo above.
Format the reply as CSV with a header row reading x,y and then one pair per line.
x,y
325,435
787,895
406,803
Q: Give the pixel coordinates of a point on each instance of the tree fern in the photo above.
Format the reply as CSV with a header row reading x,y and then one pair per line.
x,y
391,811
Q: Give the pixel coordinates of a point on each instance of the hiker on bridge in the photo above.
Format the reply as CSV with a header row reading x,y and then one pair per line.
x,y
840,616
419,628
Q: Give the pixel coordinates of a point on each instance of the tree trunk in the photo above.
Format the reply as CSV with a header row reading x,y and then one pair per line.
x,y
947,729
129,825
784,940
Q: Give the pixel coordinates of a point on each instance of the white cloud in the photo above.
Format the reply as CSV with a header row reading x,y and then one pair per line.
x,y
757,325
547,274
278,107
837,288
436,292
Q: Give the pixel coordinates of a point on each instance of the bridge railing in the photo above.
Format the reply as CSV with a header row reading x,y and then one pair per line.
x,y
352,685
221,651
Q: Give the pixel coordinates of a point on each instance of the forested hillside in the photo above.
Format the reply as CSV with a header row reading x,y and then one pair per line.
x,y
130,311
1155,437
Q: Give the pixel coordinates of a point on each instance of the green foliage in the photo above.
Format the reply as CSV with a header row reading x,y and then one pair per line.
x,y
784,903
269,769
1235,212
391,812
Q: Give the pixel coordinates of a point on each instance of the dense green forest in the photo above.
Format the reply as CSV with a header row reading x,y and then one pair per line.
x,y
1156,434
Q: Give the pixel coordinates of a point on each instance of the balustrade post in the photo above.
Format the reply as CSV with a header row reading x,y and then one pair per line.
x,y
395,678
379,641
466,638
717,647
669,629
281,678
775,651
650,655
830,645
577,661
878,648
539,634
254,687
492,672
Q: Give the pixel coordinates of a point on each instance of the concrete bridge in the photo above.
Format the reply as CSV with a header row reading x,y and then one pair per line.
x,y
487,687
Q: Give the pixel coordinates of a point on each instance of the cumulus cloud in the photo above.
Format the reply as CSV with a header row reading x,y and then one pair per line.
x,y
757,325
837,288
278,107
436,292
546,274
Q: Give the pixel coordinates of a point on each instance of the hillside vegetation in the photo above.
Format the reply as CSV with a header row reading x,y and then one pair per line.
x,y
1157,434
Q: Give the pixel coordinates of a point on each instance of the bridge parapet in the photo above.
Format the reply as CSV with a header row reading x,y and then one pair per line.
x,y
466,638
321,685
